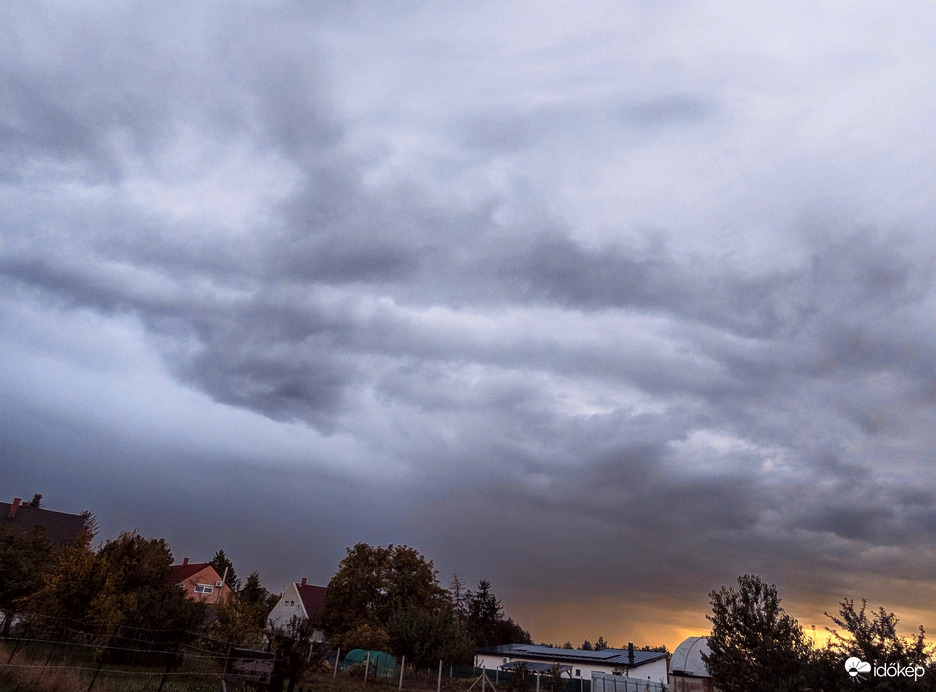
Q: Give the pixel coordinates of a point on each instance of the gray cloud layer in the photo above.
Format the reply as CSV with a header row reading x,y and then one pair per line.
x,y
423,319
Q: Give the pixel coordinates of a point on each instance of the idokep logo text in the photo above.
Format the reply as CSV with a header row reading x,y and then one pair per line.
x,y
858,669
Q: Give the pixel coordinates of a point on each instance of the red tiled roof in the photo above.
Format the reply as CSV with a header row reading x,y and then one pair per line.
x,y
60,527
180,573
313,598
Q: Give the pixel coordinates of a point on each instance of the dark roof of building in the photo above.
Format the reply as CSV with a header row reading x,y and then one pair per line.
x,y
60,527
179,573
608,657
313,597
541,668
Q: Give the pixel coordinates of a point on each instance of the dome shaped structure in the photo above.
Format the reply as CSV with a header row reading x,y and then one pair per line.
x,y
687,659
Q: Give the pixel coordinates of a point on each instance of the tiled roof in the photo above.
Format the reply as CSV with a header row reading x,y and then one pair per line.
x,y
608,657
180,573
60,527
313,598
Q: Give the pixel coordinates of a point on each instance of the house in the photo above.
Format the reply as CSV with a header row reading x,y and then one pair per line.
x,y
630,662
20,518
201,581
688,672
303,600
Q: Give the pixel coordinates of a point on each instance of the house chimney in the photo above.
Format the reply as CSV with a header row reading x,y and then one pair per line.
x,y
303,582
630,652
15,506
184,561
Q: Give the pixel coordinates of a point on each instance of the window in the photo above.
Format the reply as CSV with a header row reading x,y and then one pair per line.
x,y
578,672
203,588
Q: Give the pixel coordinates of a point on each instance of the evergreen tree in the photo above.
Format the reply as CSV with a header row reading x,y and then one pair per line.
x,y
225,569
486,624
459,596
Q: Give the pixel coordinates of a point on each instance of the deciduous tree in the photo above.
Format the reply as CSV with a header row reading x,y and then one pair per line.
x,y
294,643
242,619
754,644
372,583
124,582
873,637
426,638
24,562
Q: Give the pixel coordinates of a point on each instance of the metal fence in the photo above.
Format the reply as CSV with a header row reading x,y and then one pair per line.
x,y
503,678
77,657
602,682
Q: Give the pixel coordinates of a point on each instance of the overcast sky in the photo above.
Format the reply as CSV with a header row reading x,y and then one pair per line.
x,y
608,304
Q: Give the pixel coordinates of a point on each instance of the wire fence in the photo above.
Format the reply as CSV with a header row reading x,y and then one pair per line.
x,y
80,657
70,656
451,677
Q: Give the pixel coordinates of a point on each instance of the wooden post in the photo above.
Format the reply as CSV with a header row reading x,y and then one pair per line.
x,y
337,660
402,666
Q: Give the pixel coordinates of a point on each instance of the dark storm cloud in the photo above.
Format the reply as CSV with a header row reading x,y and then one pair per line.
x,y
599,407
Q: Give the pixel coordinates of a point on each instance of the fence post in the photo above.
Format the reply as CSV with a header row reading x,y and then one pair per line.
x,y
51,651
171,660
337,659
402,666
439,684
103,656
366,667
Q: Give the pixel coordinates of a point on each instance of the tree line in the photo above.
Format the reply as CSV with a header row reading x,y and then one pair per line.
x,y
755,645
390,599
384,598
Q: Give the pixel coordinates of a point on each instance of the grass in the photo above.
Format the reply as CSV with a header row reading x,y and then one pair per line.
x,y
421,683
74,673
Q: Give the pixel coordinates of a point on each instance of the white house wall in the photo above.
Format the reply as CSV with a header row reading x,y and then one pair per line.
x,y
656,670
282,612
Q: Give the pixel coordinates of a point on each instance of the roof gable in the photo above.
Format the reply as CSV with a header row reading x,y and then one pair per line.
x,y
179,573
60,527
